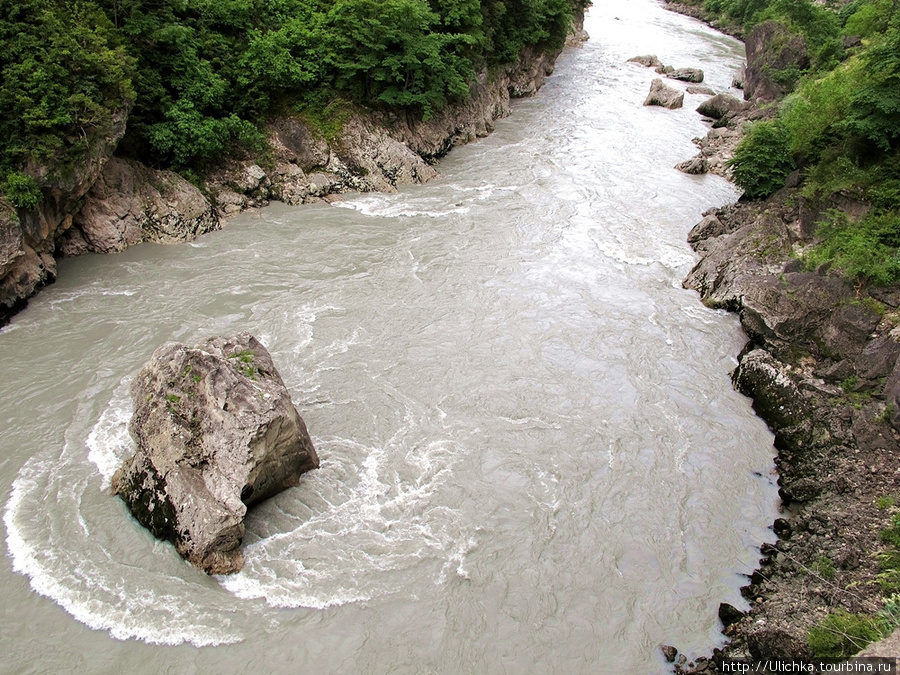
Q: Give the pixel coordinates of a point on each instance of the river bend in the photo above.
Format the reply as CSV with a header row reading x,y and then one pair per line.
x,y
532,458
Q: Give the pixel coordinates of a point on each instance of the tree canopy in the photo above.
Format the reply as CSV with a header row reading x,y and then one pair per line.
x,y
200,76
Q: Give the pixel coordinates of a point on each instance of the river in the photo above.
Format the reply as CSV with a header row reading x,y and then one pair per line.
x,y
532,457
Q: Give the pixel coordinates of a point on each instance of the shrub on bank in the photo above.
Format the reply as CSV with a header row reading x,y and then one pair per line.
x,y
867,251
762,160
841,634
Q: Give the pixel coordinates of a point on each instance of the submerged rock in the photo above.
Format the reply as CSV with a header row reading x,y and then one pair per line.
x,y
663,95
646,60
694,166
686,74
738,80
216,432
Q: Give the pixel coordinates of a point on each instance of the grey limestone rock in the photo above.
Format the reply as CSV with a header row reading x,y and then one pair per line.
x,y
694,166
771,48
707,228
664,95
720,105
686,74
701,89
216,432
776,397
130,203
646,60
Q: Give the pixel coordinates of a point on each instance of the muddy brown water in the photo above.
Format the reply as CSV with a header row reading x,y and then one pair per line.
x,y
532,457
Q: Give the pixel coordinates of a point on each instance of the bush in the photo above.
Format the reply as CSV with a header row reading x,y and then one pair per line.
x,y
868,19
841,634
745,13
874,114
762,160
812,115
866,252
21,190
824,567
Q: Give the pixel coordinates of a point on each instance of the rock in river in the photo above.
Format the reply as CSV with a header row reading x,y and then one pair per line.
x,y
216,432
663,95
687,74
720,105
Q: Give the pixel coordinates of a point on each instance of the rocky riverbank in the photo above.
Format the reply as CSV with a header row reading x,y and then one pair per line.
x,y
821,366
103,204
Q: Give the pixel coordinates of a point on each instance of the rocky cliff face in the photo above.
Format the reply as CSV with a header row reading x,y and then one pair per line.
x,y
28,236
130,203
774,58
103,205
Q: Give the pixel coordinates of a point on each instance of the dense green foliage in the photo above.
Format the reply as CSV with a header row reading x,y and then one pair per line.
x,y
866,250
21,190
762,161
65,72
841,126
199,76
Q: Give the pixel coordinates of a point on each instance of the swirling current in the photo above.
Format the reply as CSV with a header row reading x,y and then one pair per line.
x,y
532,457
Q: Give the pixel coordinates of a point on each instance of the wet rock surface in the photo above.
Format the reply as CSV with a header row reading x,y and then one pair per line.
x,y
646,60
686,75
720,105
131,203
216,432
663,95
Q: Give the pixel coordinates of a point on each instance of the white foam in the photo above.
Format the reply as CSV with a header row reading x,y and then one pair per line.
x,y
405,206
359,525
87,582
109,442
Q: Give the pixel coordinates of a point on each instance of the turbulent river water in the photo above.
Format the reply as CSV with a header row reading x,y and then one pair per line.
x,y
532,457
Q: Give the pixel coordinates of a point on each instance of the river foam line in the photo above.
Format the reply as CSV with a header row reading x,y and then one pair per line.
x,y
125,606
350,533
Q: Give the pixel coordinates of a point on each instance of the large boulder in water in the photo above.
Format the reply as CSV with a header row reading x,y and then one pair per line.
x,y
216,433
646,60
686,74
663,95
720,105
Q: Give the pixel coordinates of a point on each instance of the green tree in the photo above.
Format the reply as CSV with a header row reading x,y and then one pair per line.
x,y
65,74
874,114
762,160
